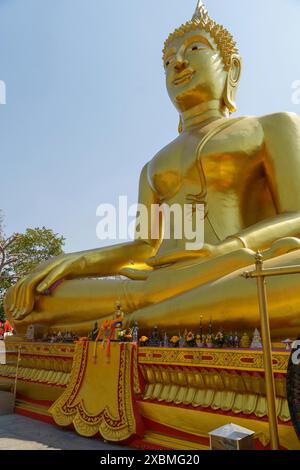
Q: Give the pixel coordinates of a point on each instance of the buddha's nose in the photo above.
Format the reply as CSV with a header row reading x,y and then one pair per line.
x,y
181,64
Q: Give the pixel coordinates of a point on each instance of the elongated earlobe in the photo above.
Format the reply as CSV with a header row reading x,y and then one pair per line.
x,y
180,126
233,78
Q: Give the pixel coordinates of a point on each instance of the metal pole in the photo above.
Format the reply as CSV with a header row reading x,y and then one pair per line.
x,y
272,272
17,371
267,352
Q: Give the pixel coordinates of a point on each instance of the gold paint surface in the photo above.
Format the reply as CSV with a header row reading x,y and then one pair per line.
x,y
201,423
234,359
244,170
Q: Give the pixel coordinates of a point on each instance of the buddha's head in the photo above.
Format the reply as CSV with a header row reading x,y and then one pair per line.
x,y
202,63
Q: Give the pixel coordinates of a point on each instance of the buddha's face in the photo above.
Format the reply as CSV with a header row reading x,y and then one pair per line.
x,y
194,70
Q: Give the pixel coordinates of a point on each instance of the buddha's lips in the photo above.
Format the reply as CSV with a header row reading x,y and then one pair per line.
x,y
184,77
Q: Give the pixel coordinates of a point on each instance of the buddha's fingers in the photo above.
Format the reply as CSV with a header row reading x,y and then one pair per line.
x,y
31,280
16,290
26,291
57,274
12,297
176,256
20,301
135,274
20,305
26,296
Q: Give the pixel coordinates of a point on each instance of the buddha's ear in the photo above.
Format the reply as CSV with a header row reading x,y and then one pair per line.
x,y
232,81
180,126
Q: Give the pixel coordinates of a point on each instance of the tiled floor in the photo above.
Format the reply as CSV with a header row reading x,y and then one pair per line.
x,y
20,433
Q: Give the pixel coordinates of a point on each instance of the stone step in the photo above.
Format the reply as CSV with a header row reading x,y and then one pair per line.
x,y
7,403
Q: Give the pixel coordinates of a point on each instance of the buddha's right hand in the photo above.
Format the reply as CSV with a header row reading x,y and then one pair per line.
x,y
21,298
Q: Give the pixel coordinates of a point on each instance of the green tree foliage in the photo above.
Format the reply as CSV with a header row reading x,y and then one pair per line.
x,y
22,252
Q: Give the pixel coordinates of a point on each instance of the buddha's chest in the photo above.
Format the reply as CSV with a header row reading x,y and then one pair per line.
x,y
221,165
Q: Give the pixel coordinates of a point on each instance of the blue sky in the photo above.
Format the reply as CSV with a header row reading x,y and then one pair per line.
x,y
86,102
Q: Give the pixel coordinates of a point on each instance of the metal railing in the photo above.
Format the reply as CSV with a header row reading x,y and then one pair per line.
x,y
17,363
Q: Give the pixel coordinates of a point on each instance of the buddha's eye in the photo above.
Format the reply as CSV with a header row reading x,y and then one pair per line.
x,y
196,47
169,61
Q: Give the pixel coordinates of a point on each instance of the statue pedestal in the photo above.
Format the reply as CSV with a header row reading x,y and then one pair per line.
x,y
153,398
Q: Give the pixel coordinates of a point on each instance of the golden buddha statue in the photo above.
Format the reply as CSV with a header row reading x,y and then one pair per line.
x,y
245,170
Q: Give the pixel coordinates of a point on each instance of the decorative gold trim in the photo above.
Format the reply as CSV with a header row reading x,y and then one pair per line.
x,y
243,360
179,377
44,376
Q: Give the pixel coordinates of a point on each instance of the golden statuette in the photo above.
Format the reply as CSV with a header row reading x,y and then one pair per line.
x,y
244,170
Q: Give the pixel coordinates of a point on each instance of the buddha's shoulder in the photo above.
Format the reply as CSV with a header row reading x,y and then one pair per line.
x,y
281,118
261,126
279,121
238,127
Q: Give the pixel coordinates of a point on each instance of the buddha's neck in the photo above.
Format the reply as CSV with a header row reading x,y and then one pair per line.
x,y
202,114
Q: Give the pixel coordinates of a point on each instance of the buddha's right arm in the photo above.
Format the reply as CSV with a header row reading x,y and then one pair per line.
x,y
107,261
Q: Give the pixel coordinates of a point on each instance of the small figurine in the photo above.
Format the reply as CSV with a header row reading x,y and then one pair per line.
x,y
155,341
118,323
30,333
59,337
219,339
190,339
94,333
256,341
117,335
181,342
174,341
236,340
166,340
119,313
68,337
200,341
245,341
229,341
135,332
209,341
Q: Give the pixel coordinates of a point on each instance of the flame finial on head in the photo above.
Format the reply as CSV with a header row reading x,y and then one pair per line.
x,y
201,12
201,20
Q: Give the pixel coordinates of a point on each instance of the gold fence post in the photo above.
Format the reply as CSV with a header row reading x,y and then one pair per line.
x,y
17,371
267,352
